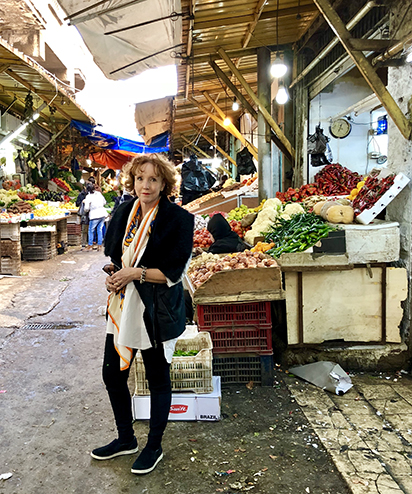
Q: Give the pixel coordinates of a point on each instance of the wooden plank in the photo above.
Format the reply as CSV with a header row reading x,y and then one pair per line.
x,y
230,128
365,68
241,285
219,72
196,148
290,152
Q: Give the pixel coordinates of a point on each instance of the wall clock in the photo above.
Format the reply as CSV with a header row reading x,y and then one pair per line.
x,y
340,128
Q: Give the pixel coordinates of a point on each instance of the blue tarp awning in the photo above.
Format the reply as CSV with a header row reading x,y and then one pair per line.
x,y
107,141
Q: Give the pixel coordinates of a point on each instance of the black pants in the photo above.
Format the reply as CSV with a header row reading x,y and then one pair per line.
x,y
158,376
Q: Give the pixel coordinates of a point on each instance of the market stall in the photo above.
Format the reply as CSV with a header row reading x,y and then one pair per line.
x,y
335,268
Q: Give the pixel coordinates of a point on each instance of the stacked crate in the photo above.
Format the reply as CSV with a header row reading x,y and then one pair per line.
x,y
74,230
38,246
10,250
242,341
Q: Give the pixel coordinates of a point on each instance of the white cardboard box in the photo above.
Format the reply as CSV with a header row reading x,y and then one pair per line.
x,y
185,406
400,182
377,242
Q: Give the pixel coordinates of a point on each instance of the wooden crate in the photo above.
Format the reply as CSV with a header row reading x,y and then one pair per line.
x,y
239,285
10,248
9,265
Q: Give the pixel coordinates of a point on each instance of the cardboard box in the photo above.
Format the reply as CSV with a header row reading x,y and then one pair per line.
x,y
185,406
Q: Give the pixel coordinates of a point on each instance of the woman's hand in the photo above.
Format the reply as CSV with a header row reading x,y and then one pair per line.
x,y
121,278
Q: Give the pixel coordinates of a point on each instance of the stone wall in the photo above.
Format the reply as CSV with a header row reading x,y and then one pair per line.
x,y
400,153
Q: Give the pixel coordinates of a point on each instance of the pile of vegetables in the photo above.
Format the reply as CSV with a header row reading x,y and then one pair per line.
x,y
297,234
62,184
236,226
20,207
373,189
298,195
335,179
262,247
339,211
240,260
202,238
272,210
201,260
7,197
239,212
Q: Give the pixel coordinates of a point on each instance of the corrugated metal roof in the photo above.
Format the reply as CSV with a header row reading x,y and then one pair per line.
x,y
20,74
239,27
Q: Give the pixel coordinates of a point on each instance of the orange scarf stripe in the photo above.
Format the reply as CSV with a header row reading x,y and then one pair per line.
x,y
148,215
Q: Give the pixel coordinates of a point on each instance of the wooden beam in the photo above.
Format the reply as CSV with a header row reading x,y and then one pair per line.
x,y
54,138
365,68
189,46
230,128
218,148
361,44
200,151
287,147
252,26
4,67
34,90
221,75
219,111
223,21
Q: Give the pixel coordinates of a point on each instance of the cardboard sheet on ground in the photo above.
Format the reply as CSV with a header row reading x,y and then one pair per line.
x,y
325,375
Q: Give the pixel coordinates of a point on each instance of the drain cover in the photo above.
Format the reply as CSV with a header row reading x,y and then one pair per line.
x,y
51,325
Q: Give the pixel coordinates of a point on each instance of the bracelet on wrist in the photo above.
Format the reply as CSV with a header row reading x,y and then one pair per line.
x,y
143,275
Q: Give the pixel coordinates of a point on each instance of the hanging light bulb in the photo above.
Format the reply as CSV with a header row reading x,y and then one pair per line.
x,y
227,122
278,68
235,105
282,95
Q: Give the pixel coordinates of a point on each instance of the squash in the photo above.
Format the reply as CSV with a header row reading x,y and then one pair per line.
x,y
334,212
318,206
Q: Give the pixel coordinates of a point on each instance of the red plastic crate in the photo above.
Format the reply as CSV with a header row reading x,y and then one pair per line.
x,y
242,339
233,315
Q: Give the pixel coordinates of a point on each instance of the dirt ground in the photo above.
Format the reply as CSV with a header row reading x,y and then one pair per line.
x,y
54,408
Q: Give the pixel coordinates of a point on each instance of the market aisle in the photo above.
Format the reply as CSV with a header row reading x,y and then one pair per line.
x,y
55,410
367,431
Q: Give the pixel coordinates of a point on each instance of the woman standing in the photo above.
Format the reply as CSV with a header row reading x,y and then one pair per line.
x,y
149,241
94,204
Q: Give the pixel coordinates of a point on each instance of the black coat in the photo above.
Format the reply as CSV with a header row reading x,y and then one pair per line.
x,y
168,249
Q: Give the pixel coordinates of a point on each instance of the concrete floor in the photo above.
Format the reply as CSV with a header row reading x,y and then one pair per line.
x,y
289,438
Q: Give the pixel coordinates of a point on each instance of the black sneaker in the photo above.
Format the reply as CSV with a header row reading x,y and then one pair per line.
x,y
115,448
147,461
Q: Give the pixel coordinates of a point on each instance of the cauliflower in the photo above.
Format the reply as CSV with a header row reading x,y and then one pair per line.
x,y
273,203
291,209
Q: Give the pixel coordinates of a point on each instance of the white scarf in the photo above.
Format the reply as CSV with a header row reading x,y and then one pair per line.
x,y
125,307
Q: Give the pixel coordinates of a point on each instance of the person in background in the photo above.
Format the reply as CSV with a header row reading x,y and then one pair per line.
x,y
225,240
149,241
94,205
84,218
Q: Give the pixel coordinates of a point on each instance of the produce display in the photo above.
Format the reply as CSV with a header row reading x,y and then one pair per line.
x,y
240,260
201,200
20,207
236,226
372,191
335,179
28,192
70,206
48,212
48,195
332,180
272,210
297,234
339,211
201,260
11,185
202,238
262,247
239,212
7,197
62,184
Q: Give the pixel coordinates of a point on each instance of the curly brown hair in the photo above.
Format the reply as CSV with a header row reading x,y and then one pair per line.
x,y
163,167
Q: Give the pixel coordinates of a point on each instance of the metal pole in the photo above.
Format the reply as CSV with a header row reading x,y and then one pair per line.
x,y
264,142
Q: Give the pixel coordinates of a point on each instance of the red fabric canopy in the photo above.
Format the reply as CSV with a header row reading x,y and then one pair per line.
x,y
113,159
